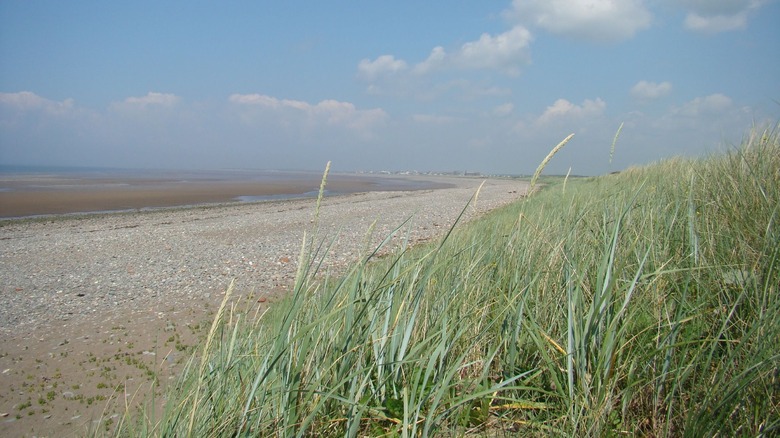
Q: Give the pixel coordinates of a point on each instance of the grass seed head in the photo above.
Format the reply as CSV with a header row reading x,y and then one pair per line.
x,y
547,160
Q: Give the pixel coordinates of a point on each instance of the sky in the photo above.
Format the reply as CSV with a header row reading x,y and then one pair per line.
x,y
452,85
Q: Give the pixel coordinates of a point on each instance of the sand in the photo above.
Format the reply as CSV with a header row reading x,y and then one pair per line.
x,y
45,195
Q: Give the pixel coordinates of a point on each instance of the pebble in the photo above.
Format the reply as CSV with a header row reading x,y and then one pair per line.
x,y
81,267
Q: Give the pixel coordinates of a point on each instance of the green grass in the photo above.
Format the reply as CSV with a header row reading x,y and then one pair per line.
x,y
641,303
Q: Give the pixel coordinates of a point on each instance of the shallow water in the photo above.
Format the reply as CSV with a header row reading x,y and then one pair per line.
x,y
47,191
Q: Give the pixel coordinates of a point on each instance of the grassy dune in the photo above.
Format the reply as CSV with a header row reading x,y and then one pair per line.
x,y
641,303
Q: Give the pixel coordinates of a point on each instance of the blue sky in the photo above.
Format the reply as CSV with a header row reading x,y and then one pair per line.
x,y
438,85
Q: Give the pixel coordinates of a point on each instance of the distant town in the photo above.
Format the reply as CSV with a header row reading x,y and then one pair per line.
x,y
434,173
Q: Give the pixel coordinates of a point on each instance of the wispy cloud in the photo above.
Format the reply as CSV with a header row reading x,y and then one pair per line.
x,y
503,109
254,99
29,101
713,16
707,105
330,112
433,119
150,100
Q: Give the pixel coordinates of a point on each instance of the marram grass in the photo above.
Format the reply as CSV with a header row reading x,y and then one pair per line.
x,y
614,142
547,159
643,303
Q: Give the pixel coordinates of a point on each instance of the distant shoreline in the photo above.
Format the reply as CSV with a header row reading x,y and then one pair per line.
x,y
34,194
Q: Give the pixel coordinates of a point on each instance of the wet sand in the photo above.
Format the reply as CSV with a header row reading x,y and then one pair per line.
x,y
22,196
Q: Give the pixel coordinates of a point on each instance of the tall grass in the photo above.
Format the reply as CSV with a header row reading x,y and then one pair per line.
x,y
547,159
639,303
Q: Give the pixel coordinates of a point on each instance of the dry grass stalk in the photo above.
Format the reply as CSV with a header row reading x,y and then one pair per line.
x,y
614,141
547,160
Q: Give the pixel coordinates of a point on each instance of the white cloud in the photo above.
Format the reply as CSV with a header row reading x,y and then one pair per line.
x,y
708,105
433,119
153,99
28,101
269,102
713,16
331,112
385,64
720,7
345,113
462,89
436,59
644,90
595,20
503,110
506,52
255,99
562,108
715,24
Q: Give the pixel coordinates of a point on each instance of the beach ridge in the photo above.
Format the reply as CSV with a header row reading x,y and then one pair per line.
x,y
130,293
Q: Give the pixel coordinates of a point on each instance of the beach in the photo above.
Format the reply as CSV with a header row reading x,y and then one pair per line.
x,y
94,308
53,193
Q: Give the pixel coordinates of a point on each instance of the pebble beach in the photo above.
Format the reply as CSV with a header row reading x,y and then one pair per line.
x,y
78,287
